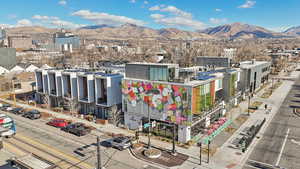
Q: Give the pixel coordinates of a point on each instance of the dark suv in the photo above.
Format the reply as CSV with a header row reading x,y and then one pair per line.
x,y
33,114
17,111
78,129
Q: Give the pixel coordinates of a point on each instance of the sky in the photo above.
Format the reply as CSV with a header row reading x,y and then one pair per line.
x,y
276,15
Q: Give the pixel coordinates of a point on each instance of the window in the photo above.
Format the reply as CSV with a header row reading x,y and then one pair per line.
x,y
158,73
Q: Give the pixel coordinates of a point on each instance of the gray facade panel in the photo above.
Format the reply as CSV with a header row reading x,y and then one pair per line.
x,y
8,57
137,71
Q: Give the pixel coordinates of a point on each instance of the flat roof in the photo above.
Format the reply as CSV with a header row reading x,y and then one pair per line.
x,y
190,83
155,64
217,57
250,64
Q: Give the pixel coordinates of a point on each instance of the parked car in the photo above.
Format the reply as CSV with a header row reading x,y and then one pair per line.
x,y
120,143
33,114
58,123
78,129
17,111
4,107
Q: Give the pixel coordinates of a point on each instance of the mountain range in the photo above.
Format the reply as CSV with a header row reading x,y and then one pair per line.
x,y
130,31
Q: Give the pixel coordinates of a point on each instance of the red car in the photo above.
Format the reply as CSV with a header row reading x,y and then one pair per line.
x,y
58,123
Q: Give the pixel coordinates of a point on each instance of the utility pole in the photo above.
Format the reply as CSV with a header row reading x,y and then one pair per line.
x,y
200,156
149,125
249,97
99,165
208,151
174,130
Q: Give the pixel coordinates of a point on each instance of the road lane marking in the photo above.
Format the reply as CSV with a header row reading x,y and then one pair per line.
x,y
295,142
53,150
282,148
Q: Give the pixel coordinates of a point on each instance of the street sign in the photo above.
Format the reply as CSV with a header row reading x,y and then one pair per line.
x,y
147,125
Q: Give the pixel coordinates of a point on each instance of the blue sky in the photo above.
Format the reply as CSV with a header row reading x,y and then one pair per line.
x,y
185,14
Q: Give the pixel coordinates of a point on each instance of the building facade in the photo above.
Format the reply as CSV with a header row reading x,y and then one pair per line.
x,y
86,92
20,42
8,57
65,39
254,74
187,106
213,61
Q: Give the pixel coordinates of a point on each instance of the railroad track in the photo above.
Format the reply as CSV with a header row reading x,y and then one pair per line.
x,y
51,155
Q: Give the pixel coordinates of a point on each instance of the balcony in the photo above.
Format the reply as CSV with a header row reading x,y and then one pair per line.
x,y
102,101
53,92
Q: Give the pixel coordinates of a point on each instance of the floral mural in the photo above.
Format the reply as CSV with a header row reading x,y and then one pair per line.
x,y
169,99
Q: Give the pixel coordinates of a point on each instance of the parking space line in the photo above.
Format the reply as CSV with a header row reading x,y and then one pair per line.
x,y
282,148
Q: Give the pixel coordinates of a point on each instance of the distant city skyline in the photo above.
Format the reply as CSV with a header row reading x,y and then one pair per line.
x,y
188,14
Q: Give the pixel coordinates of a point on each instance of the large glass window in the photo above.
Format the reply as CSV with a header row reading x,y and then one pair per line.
x,y
158,73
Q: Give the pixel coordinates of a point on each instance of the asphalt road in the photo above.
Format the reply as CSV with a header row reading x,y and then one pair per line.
x,y
82,148
280,143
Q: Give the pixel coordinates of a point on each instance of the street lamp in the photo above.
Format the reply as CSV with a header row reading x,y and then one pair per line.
x,y
150,93
249,97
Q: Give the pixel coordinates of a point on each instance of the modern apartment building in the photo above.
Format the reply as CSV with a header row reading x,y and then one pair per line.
x,y
88,92
66,39
157,89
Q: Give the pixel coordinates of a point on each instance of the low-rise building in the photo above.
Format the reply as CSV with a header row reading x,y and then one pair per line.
x,y
155,90
213,61
20,42
87,92
254,74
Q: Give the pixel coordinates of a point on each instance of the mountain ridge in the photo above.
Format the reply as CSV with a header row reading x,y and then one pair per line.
x,y
228,31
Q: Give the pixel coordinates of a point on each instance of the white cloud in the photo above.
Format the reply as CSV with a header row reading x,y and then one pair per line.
x,y
156,16
218,10
171,9
24,22
55,21
105,18
132,1
175,17
178,22
62,2
6,26
146,2
217,20
248,4
44,18
63,23
155,8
